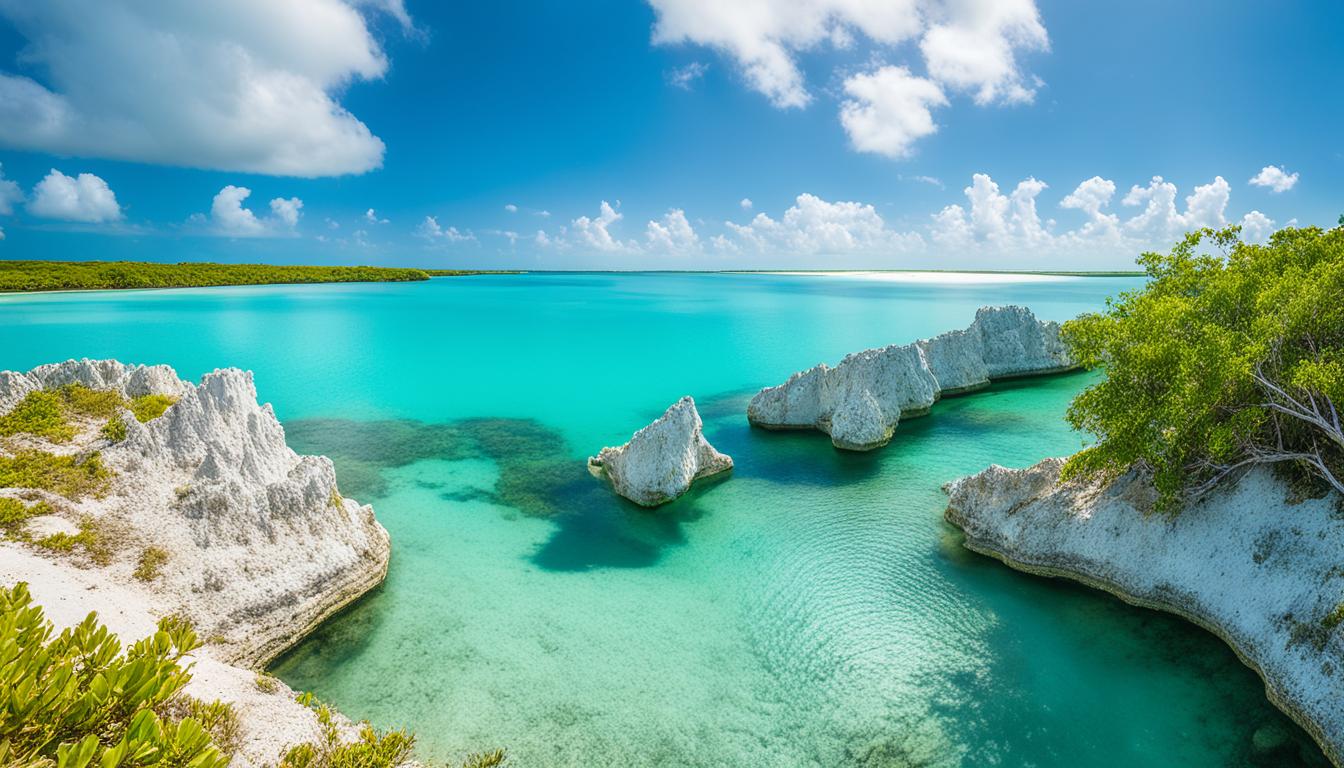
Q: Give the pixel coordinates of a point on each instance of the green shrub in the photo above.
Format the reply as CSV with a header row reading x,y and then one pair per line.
x,y
14,514
90,539
80,400
150,407
151,560
76,700
494,759
114,429
266,683
219,719
70,476
1221,362
372,749
41,413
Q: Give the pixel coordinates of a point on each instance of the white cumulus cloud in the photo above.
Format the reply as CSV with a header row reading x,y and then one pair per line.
x,y
85,198
1275,178
596,232
229,217
972,47
1161,220
889,109
1009,229
372,217
813,226
673,234
431,230
1256,227
243,86
764,36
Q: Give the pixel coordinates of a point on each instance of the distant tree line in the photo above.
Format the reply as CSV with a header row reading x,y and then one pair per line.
x,y
98,275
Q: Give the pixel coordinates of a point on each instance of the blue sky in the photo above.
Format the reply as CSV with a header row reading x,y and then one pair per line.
x,y
911,133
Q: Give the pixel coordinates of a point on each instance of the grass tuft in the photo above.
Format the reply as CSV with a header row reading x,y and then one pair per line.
x,y
70,476
152,559
41,413
150,407
90,539
80,400
114,430
14,515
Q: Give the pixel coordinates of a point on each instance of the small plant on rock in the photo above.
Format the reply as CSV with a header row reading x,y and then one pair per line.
x,y
114,429
150,407
152,559
372,748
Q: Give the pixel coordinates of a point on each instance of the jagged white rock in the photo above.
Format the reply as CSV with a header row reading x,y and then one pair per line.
x,y
661,460
860,401
261,545
1261,572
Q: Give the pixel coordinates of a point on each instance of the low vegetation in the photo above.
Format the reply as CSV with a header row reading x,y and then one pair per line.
x,y
150,407
152,559
373,749
41,414
15,514
73,477
114,430
266,683
53,413
76,700
100,275
90,540
1231,356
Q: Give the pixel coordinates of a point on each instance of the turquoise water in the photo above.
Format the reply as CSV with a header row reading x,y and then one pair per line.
x,y
812,610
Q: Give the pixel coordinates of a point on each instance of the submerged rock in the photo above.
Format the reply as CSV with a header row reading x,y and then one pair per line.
x,y
661,460
860,401
1263,573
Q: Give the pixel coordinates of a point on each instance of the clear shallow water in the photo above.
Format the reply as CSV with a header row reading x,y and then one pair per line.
x,y
812,610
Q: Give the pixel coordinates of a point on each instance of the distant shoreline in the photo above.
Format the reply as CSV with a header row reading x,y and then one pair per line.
x,y
37,276
24,276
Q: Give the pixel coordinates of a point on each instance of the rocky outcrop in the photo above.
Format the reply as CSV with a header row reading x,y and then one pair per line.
x,y
1247,563
260,545
860,401
661,460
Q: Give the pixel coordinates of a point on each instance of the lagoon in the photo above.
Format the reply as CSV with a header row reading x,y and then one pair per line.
x,y
813,609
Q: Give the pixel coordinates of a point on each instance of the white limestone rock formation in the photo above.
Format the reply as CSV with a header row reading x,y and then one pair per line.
x,y
261,545
661,460
860,401
1262,572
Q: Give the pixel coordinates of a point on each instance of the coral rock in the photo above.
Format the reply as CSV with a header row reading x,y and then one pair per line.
x,y
860,401
661,460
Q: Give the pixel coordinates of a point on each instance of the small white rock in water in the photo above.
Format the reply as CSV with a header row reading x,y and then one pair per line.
x,y
661,460
860,401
